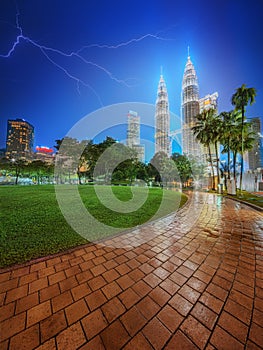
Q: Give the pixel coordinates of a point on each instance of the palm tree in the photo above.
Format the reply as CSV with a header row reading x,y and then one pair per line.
x,y
237,146
204,134
227,122
216,132
229,134
183,166
240,99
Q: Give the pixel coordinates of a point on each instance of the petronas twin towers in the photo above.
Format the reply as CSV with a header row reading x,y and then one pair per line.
x,y
190,109
162,119
191,106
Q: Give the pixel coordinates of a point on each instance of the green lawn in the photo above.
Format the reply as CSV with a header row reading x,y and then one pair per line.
x,y
32,225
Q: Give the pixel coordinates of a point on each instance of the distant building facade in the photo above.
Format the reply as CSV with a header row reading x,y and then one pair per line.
x,y
45,154
20,139
133,135
190,109
254,156
208,102
162,119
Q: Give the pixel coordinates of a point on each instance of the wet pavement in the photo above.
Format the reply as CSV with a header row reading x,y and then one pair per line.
x,y
190,281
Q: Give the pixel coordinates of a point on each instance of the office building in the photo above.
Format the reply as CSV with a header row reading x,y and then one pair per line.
x,y
255,154
133,135
20,139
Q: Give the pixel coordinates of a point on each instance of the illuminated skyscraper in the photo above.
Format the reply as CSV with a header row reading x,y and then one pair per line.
x,y
190,108
133,134
20,138
162,119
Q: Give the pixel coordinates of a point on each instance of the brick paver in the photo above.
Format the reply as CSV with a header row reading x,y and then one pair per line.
x,y
190,281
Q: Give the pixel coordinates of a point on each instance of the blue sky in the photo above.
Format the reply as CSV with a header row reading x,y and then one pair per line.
x,y
224,39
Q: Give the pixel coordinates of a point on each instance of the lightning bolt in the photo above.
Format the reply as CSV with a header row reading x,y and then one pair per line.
x,y
48,51
125,43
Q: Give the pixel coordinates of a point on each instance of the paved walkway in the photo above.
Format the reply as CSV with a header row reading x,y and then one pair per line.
x,y
195,283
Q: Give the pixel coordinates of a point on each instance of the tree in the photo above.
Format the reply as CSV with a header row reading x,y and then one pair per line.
x,y
18,166
4,165
129,170
183,166
237,146
231,138
49,171
204,134
240,99
58,144
216,132
228,122
142,172
38,167
70,157
163,169
224,168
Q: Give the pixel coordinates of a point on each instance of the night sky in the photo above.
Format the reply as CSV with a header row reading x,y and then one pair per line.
x,y
40,85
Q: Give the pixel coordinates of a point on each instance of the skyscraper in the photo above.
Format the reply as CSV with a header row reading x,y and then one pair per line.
x,y
254,155
133,131
162,119
190,108
133,134
19,140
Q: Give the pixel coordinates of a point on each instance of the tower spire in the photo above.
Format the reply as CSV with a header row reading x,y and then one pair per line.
x,y
161,71
188,50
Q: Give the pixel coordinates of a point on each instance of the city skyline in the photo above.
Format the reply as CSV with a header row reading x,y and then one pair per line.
x,y
124,65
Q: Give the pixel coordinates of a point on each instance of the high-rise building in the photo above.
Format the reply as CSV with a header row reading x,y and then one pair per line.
x,y
162,119
133,135
20,138
133,131
190,109
254,155
208,102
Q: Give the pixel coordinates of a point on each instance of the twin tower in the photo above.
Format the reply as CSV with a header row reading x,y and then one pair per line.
x,y
191,106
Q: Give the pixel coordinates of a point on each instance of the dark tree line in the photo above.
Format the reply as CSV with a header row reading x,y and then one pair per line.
x,y
108,161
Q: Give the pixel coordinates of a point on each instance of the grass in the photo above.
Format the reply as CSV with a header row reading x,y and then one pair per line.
x,y
249,198
32,225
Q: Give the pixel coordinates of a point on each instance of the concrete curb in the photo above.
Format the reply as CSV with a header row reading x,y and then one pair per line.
x,y
254,206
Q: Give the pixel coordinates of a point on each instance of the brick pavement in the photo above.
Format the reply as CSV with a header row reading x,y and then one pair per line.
x,y
192,284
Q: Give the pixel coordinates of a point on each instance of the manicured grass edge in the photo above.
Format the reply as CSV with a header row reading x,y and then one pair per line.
x,y
252,205
85,245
